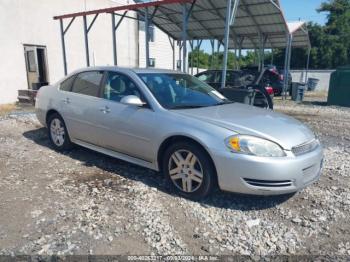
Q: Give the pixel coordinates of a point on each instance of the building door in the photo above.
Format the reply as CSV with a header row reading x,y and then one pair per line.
x,y
36,64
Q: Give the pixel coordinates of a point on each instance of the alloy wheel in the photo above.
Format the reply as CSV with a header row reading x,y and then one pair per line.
x,y
185,171
57,131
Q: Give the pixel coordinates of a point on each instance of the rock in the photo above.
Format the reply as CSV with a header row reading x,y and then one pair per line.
x,y
44,249
296,220
108,182
206,234
322,218
36,213
253,222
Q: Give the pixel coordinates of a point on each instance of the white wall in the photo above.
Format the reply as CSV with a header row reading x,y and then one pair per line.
x,y
322,75
160,49
31,22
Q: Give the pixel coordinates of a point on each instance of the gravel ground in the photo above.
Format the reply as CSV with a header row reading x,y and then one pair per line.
x,y
82,202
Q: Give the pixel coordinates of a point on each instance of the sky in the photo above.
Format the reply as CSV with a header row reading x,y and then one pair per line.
x,y
294,10
304,10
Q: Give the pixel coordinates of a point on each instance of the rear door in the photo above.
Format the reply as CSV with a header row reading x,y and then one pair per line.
x,y
125,128
79,106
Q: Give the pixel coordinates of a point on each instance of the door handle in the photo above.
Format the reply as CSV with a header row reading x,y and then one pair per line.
x,y
105,109
66,100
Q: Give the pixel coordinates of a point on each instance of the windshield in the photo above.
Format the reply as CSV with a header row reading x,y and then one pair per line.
x,y
181,91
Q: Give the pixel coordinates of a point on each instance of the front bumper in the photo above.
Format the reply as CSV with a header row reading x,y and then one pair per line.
x,y
267,176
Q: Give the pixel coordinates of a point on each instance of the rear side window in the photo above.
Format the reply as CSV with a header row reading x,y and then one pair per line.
x,y
66,85
88,83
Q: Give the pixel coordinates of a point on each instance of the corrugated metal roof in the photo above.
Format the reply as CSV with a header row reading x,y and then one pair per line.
x,y
207,20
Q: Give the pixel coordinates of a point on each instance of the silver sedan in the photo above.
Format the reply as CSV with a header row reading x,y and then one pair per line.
x,y
174,123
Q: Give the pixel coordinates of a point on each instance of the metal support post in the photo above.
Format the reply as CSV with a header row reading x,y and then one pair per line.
x,y
172,44
287,64
240,52
217,57
147,36
180,50
199,43
263,52
230,17
191,45
271,56
174,61
114,41
114,35
63,32
184,37
86,41
212,43
259,52
307,63
63,48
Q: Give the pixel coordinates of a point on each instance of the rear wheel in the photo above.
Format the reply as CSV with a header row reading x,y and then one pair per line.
x,y
189,170
58,133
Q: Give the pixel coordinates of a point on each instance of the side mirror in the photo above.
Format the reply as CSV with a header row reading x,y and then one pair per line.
x,y
132,100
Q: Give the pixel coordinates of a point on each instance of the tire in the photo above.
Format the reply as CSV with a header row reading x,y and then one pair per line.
x,y
200,163
58,133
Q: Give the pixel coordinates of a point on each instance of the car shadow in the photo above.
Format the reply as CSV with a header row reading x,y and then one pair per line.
x,y
315,103
155,179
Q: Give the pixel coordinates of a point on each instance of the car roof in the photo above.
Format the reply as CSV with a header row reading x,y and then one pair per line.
x,y
135,70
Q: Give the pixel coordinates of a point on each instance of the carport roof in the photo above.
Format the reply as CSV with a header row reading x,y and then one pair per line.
x,y
207,20
277,40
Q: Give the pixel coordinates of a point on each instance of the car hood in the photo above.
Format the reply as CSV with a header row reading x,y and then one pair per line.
x,y
243,119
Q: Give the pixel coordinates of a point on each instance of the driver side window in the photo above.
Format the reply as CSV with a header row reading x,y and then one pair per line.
x,y
118,86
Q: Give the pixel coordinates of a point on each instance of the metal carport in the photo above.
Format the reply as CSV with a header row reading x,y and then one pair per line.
x,y
185,20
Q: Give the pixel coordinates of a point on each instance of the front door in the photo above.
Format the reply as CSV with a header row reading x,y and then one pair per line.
x,y
126,129
36,65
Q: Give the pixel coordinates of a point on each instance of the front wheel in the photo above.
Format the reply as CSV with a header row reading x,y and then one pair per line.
x,y
189,170
58,133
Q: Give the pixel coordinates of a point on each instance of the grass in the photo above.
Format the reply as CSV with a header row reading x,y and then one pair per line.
x,y
6,108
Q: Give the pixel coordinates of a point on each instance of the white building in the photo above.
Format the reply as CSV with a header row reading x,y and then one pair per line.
x,y
30,42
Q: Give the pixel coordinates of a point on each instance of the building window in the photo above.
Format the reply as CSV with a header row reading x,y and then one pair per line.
x,y
152,62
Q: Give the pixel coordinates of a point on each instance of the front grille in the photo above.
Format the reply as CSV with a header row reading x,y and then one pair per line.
x,y
268,183
305,148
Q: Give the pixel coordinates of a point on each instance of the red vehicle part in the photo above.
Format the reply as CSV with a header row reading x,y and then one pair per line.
x,y
269,90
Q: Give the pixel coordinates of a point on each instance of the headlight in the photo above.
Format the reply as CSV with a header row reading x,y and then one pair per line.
x,y
251,145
